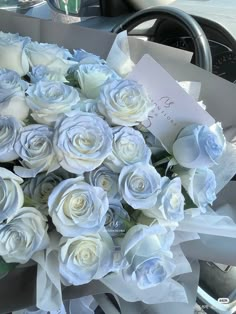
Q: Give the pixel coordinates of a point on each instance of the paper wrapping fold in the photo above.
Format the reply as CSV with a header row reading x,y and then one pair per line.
x,y
48,286
18,288
190,283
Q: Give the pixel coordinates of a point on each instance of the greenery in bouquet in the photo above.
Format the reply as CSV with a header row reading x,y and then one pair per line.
x,y
76,160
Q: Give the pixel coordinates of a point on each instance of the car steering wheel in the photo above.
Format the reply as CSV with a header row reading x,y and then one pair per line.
x,y
202,50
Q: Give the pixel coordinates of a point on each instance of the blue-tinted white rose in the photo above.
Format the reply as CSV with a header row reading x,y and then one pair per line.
x,y
12,51
139,185
82,142
9,128
124,102
85,258
50,55
77,208
42,72
199,146
88,105
128,148
49,100
170,201
34,147
12,95
105,179
39,188
84,57
200,185
11,194
147,250
11,84
24,234
92,76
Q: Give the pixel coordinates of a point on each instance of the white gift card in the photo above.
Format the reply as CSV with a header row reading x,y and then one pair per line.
x,y
174,108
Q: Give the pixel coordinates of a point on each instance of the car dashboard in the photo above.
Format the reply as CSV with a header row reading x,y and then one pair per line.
x,y
221,43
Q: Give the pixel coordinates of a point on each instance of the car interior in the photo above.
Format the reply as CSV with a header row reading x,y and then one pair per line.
x,y
213,44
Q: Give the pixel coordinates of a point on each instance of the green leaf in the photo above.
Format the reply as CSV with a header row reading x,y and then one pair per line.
x,y
188,201
29,202
6,267
71,80
129,224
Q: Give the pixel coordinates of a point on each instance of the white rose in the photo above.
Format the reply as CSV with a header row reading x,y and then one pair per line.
x,y
116,218
12,95
124,102
50,55
200,185
12,53
24,234
85,105
11,194
147,250
39,188
34,146
91,77
199,146
89,105
82,142
128,148
77,208
170,201
84,57
49,100
9,128
105,179
85,258
139,185
41,72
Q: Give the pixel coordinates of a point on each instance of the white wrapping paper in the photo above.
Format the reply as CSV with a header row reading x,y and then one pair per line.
x,y
49,296
119,55
226,168
84,305
181,262
208,223
217,248
158,294
181,237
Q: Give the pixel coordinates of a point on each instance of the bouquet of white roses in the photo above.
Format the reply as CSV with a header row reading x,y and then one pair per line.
x,y
83,177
